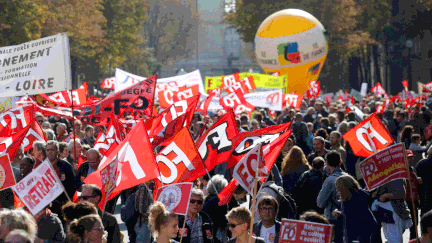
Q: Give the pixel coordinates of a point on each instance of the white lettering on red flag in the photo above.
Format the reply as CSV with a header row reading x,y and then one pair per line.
x,y
295,231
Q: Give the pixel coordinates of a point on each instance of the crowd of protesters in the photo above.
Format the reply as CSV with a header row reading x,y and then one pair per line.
x,y
315,178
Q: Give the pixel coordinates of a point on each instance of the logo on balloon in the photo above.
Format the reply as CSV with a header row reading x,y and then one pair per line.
x,y
288,53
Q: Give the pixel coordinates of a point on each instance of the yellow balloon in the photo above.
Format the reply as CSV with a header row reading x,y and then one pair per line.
x,y
292,42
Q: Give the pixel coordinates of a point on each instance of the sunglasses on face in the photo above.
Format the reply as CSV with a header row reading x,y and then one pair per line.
x,y
85,197
196,201
232,225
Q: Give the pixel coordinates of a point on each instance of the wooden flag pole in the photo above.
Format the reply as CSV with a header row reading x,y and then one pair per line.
x,y
254,197
411,194
183,229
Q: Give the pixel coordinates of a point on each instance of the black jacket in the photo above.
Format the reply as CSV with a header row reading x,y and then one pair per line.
x,y
81,175
257,230
306,191
67,177
111,226
207,230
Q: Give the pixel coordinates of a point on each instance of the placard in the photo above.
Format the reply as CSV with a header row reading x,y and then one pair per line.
x,y
39,66
295,231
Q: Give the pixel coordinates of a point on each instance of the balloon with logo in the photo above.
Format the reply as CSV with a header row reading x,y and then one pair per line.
x,y
293,42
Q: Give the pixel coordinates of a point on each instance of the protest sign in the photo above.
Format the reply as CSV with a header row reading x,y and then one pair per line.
x,y
124,79
260,80
363,89
39,66
269,99
7,178
295,231
384,166
357,95
175,197
39,188
109,176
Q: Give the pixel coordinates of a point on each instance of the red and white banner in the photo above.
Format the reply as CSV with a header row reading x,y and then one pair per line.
x,y
179,159
168,97
226,194
138,162
71,137
15,119
175,197
114,135
296,231
7,178
384,166
108,83
314,89
249,168
292,100
35,133
378,90
204,104
427,88
249,83
269,99
237,102
109,176
368,136
39,188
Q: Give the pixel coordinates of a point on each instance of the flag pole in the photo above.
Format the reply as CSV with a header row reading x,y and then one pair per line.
x,y
210,180
411,194
73,132
254,199
183,229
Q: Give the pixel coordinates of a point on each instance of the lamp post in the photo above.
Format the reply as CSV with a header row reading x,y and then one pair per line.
x,y
409,45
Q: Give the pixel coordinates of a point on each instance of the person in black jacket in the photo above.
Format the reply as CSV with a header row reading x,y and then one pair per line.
x,y
88,167
308,187
268,227
199,226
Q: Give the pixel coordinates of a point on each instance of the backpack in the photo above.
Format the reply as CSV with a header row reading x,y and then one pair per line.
x,y
287,205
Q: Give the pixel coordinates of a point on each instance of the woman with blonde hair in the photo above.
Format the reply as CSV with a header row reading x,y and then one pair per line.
x,y
163,223
239,220
359,222
293,166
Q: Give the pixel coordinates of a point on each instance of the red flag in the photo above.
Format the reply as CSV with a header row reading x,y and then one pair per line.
x,y
237,102
202,108
249,82
427,88
245,141
6,175
112,137
378,90
168,96
249,168
16,119
60,98
292,100
215,145
175,197
226,194
138,162
84,86
229,80
368,136
179,159
314,89
108,83
35,133
217,92
405,84
109,176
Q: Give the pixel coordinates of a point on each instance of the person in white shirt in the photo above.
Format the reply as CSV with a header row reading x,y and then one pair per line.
x,y
267,228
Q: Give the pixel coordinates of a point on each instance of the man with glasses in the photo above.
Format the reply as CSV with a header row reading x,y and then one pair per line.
x,y
199,226
93,194
267,228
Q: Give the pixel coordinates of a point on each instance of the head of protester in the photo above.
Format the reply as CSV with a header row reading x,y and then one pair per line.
x,y
164,224
293,166
239,219
26,166
71,210
93,158
88,229
267,228
12,219
19,236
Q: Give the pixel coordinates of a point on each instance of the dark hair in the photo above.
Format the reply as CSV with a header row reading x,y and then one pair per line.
x,y
73,210
426,222
318,162
270,201
62,146
333,158
96,190
415,137
325,121
29,160
315,217
322,132
78,226
245,127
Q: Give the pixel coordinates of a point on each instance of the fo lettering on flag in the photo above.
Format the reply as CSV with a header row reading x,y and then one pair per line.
x,y
250,168
175,197
384,166
295,231
368,136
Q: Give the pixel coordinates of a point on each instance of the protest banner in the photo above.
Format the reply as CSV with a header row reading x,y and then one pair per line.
x,y
384,166
249,168
357,95
363,89
269,99
295,231
7,178
124,79
39,66
39,188
175,197
261,81
328,97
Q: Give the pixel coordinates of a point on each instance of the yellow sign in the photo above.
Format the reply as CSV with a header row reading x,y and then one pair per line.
x,y
260,80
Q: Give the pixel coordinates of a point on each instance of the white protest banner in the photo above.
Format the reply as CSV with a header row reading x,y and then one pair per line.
x,y
124,79
39,66
363,89
39,188
268,99
357,95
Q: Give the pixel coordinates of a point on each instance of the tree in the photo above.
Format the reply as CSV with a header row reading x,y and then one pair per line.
x,y
169,27
20,21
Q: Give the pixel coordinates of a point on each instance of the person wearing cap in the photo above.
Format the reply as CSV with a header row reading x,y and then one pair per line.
x,y
415,181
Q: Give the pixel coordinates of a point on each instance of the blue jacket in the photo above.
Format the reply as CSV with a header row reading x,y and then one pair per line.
x,y
328,197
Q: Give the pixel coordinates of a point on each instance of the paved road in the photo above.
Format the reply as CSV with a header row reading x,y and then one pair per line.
x,y
126,238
